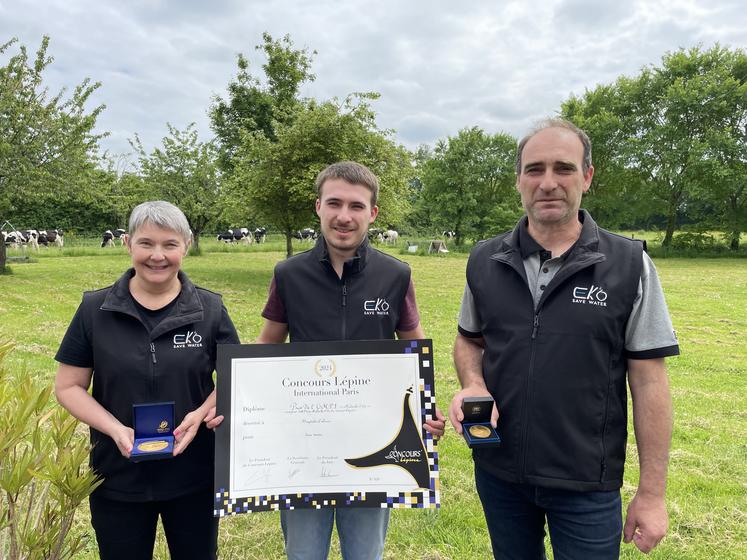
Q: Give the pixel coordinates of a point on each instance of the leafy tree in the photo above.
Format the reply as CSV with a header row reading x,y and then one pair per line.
x,y
671,136
468,184
276,177
184,171
47,141
419,218
252,106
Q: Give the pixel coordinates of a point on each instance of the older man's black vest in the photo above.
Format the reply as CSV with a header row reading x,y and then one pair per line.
x,y
558,374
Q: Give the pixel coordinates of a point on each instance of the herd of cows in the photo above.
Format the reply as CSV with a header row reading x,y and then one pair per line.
x,y
33,238
245,235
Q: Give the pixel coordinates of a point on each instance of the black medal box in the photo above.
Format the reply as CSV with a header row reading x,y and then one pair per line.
x,y
476,427
154,431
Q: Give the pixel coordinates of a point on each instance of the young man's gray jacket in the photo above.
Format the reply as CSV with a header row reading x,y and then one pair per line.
x,y
557,372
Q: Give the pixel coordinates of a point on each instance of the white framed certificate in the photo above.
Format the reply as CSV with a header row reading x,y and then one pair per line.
x,y
325,424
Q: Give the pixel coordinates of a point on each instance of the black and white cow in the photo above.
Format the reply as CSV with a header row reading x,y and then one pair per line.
x,y
449,234
32,238
390,236
108,239
260,235
376,235
53,236
119,235
226,236
306,234
14,239
243,235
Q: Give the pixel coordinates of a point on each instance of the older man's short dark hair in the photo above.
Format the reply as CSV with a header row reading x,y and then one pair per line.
x,y
556,123
352,172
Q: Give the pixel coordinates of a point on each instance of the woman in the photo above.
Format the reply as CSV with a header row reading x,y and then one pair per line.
x,y
148,338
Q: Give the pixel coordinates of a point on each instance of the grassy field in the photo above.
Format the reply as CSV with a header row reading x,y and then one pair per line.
x,y
708,474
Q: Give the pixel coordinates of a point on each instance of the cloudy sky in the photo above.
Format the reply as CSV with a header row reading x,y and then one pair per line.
x,y
439,65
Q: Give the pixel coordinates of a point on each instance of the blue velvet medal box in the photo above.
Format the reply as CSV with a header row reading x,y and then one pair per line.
x,y
154,431
476,427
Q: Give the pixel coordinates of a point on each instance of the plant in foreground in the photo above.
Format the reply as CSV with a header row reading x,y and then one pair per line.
x,y
44,475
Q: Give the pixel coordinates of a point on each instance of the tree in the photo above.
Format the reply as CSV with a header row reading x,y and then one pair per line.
x,y
185,172
276,178
468,184
419,218
47,143
672,135
727,150
252,106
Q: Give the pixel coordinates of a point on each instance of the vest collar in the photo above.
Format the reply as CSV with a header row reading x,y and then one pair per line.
x,y
188,307
582,254
353,265
588,240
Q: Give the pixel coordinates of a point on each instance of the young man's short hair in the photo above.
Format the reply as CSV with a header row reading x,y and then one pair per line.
x,y
352,172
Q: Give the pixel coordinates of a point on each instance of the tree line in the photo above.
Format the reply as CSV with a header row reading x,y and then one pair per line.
x,y
669,148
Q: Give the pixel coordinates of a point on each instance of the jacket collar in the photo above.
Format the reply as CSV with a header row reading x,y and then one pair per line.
x,y
188,307
353,265
588,240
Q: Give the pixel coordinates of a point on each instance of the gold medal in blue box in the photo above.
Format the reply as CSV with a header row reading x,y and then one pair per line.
x,y
476,427
325,424
153,424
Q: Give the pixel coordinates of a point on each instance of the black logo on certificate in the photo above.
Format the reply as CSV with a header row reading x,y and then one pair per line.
x,y
406,450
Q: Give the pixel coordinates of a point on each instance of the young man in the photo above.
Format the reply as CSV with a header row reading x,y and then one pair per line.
x,y
555,316
320,295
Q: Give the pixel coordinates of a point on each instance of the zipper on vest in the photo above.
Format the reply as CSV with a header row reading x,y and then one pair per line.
x,y
153,368
525,423
344,309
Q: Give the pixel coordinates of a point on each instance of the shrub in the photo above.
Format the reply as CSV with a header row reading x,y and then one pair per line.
x,y
44,473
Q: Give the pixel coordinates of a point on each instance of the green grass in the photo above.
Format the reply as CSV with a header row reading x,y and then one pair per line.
x,y
708,473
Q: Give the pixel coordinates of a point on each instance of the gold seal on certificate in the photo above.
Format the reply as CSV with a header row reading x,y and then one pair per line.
x,y
479,431
151,446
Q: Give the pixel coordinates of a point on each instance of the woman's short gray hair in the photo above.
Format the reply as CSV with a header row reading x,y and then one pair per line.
x,y
162,214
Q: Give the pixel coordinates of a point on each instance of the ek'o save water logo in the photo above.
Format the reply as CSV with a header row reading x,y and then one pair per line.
x,y
190,339
378,306
593,295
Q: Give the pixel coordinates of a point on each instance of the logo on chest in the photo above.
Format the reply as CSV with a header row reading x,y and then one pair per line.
x,y
190,339
593,295
378,306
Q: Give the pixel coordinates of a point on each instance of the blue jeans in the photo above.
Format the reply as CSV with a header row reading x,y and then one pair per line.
x,y
307,532
581,524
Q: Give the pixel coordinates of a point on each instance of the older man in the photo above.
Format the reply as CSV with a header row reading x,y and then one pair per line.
x,y
556,316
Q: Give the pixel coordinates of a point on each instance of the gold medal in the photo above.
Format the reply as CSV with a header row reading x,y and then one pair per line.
x,y
479,431
155,445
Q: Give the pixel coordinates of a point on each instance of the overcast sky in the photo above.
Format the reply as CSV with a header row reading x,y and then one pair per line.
x,y
439,65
